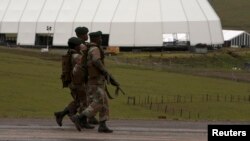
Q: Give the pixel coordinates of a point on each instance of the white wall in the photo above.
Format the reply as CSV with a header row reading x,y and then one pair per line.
x,y
86,14
213,21
173,17
3,7
148,28
198,25
27,25
104,15
13,16
129,22
124,17
64,22
48,16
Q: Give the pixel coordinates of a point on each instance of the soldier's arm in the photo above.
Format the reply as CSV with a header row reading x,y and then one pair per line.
x,y
76,61
96,58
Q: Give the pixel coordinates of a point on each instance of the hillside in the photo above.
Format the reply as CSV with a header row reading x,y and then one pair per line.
x,y
234,14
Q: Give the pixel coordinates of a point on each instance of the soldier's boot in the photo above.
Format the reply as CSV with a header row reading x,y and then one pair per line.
x,y
103,128
93,120
76,119
85,124
60,115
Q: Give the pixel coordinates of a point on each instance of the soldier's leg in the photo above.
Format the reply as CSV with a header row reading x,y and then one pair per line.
x,y
83,103
92,120
104,115
97,105
94,107
69,110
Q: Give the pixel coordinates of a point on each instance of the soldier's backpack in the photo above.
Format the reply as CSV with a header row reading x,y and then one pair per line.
x,y
66,75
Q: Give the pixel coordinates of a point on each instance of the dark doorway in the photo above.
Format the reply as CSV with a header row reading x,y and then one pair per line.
x,y
43,40
2,39
10,39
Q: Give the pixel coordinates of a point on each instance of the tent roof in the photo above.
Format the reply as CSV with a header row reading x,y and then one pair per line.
x,y
230,34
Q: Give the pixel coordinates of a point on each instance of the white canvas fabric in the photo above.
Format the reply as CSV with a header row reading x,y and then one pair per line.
x,y
128,23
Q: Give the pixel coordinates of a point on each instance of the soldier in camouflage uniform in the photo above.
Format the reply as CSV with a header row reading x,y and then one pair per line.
x,y
81,33
77,85
97,74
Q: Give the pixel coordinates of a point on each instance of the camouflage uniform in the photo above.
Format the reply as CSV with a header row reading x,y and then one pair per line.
x,y
96,87
77,85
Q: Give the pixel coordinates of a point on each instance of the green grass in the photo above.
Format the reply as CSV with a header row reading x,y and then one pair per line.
x,y
30,87
223,59
234,14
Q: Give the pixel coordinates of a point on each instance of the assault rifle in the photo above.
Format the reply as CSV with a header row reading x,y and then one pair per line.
x,y
111,80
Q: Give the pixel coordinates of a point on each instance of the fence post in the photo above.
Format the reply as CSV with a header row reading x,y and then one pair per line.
x,y
181,112
166,108
150,107
131,98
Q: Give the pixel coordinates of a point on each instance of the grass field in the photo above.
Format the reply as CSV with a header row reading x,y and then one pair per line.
x,y
30,87
234,14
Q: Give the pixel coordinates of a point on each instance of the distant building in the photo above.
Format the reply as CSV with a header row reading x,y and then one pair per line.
x,y
127,23
236,38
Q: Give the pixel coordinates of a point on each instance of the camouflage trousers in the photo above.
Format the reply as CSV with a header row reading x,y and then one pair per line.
x,y
98,102
79,103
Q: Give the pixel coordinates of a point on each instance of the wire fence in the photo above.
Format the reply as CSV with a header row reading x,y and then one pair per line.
x,y
168,104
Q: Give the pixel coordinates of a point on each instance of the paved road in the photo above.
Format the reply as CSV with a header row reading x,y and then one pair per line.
x,y
124,130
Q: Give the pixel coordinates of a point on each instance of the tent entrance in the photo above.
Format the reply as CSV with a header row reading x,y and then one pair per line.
x,y
43,39
2,39
175,39
9,39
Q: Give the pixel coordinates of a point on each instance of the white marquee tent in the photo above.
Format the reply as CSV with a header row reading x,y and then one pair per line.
x,y
125,22
236,38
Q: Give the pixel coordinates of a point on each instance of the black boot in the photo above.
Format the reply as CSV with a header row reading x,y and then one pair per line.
x,y
103,128
85,124
76,120
59,116
93,120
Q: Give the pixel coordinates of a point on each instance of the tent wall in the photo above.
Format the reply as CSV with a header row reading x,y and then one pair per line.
x,y
243,40
197,22
173,17
213,21
3,7
125,18
48,16
86,14
12,16
64,22
148,26
128,22
27,25
104,15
